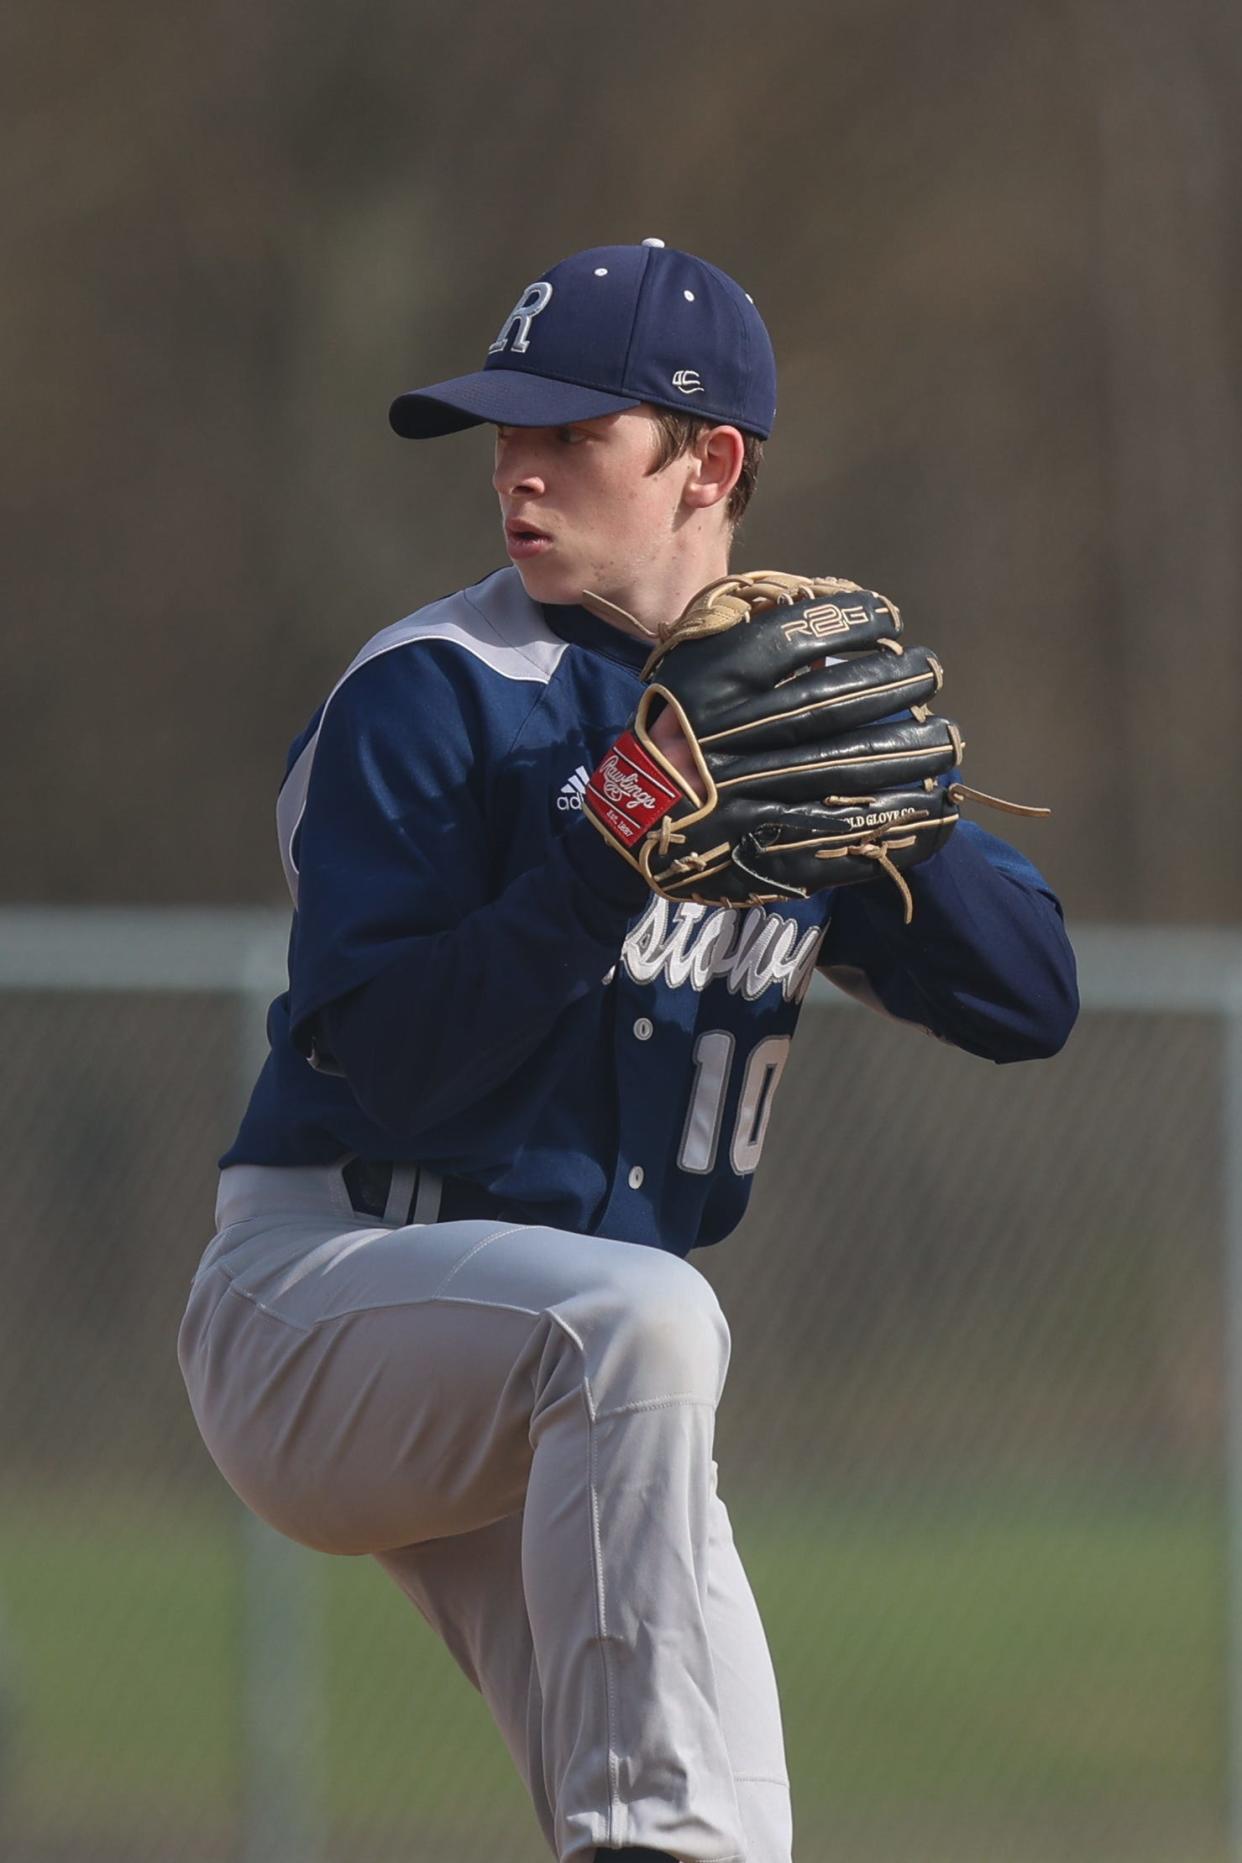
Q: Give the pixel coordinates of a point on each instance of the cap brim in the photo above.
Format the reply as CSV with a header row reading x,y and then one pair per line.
x,y
510,397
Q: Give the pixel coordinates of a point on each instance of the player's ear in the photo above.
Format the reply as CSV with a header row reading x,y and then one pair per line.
x,y
716,462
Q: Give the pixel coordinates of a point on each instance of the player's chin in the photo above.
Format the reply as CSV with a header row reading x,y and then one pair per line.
x,y
547,579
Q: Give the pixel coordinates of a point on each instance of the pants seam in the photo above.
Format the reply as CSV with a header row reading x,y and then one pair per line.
x,y
601,1618
673,1401
385,1306
423,1300
261,1306
615,1809
486,1242
597,1570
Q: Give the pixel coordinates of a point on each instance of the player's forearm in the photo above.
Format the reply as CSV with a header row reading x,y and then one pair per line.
x,y
457,1012
985,963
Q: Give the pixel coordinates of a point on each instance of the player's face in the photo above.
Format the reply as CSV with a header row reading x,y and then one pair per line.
x,y
582,509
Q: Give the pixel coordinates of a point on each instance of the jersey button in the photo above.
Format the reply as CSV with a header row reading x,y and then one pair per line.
x,y
642,1029
636,1177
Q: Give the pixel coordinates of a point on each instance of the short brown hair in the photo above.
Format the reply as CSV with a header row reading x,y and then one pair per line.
x,y
678,433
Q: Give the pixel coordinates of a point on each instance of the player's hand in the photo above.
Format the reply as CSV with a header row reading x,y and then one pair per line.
x,y
671,741
783,745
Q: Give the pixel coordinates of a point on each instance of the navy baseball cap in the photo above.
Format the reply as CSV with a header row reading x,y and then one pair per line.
x,y
606,330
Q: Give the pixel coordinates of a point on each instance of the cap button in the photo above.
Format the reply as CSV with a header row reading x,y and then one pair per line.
x,y
652,242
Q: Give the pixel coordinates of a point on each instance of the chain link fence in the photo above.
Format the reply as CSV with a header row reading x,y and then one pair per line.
x,y
977,1443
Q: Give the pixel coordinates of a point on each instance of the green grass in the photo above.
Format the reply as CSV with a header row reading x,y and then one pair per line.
x,y
996,1652
120,1627
963,1661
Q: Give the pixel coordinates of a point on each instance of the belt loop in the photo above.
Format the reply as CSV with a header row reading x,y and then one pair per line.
x,y
400,1191
426,1208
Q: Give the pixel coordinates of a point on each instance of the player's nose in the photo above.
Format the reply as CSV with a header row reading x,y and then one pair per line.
x,y
528,485
515,471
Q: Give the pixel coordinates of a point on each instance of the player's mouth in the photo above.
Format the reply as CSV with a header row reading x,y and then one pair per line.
x,y
525,540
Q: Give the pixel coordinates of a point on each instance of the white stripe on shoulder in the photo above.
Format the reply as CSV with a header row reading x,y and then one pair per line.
x,y
494,621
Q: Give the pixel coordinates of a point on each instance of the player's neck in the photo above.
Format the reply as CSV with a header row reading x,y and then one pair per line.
x,y
660,595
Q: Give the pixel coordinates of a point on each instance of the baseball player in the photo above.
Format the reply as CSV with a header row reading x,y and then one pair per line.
x,y
561,875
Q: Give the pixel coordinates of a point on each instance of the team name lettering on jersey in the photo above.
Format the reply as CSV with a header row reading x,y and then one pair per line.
x,y
751,950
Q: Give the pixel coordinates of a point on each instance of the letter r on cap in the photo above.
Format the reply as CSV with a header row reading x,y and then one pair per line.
x,y
534,299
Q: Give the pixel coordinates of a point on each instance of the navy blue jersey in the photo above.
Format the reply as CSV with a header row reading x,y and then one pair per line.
x,y
478,985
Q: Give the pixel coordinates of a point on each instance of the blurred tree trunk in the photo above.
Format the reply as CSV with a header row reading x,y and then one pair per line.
x,y
1165,82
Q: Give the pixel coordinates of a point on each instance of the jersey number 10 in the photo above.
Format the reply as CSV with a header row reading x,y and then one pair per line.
x,y
713,1064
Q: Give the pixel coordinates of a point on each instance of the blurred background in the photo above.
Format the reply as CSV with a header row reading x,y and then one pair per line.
x,y
979,1432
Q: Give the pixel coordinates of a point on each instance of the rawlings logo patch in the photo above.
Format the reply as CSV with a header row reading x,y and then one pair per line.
x,y
628,793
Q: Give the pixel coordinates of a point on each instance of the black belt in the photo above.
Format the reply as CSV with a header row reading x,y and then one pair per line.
x,y
410,1193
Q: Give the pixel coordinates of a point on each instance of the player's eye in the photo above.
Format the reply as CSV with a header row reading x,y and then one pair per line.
x,y
570,436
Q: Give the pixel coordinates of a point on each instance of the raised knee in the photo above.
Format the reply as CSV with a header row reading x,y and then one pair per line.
x,y
667,1337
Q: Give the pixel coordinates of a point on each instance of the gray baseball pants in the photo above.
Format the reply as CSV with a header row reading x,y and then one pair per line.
x,y
517,1423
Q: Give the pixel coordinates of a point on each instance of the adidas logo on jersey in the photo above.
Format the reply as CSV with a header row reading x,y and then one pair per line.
x,y
572,791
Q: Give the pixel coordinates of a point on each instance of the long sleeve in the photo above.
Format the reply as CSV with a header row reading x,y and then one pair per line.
x,y
456,1012
985,963
408,979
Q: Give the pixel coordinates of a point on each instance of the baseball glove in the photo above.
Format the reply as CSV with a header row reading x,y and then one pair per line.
x,y
815,756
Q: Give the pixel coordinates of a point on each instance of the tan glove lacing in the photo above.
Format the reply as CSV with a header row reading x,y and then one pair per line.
x,y
734,599
877,851
727,601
